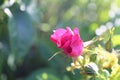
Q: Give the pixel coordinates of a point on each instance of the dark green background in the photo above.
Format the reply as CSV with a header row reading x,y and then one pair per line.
x,y
25,45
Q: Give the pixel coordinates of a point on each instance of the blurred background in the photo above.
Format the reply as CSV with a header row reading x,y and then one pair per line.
x,y
26,26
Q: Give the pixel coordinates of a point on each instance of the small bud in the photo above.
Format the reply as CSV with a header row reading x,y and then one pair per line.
x,y
80,58
68,68
91,69
72,64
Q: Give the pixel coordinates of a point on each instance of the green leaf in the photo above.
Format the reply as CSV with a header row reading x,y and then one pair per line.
x,y
96,78
116,40
21,31
1,2
104,73
33,9
43,74
93,57
1,62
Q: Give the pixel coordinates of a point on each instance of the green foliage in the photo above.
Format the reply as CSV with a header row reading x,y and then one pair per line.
x,y
98,61
21,31
1,2
25,46
1,62
46,74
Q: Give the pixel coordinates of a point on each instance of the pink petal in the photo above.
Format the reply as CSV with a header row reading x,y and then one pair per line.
x,y
67,49
59,32
56,36
76,45
76,30
69,30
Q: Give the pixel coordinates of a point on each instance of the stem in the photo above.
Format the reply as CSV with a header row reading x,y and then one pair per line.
x,y
54,55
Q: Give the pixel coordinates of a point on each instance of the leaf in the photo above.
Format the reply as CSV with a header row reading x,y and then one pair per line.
x,y
33,10
43,74
96,78
93,57
1,2
1,61
21,31
108,35
115,74
104,73
116,40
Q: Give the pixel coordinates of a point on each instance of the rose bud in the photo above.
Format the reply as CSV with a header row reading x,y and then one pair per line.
x,y
69,41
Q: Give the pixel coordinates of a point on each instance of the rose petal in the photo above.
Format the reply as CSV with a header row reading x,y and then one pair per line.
x,y
70,31
57,35
76,31
76,45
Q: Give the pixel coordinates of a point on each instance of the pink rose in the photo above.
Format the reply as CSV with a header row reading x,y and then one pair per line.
x,y
68,40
